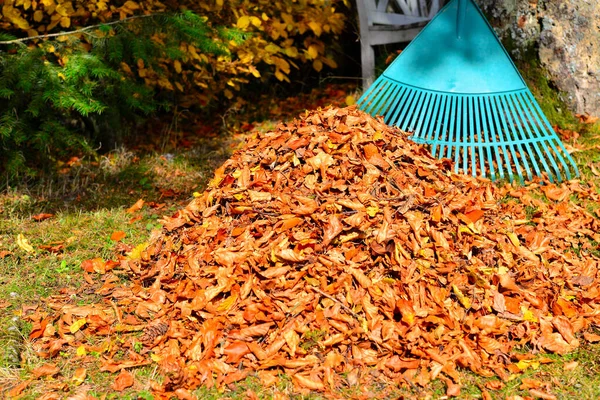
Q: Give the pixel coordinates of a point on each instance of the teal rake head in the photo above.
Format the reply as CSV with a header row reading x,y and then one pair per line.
x,y
456,89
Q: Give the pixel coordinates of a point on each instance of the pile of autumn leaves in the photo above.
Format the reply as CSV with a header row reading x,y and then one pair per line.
x,y
336,252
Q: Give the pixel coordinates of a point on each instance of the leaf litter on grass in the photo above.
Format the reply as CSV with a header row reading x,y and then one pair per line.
x,y
334,251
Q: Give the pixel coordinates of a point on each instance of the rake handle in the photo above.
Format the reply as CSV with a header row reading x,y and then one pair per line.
x,y
460,18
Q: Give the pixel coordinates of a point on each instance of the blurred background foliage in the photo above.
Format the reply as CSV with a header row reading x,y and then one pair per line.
x,y
78,75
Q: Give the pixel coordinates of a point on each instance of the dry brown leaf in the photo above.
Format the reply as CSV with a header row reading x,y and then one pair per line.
x,y
45,370
41,217
123,381
136,207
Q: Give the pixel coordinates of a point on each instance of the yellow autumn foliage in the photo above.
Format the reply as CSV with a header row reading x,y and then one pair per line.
x,y
281,35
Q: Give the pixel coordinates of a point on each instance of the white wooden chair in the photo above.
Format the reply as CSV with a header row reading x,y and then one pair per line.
x,y
389,21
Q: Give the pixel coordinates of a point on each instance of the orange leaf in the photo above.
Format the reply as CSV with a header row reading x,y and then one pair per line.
x,y
46,370
41,217
17,390
79,376
255,330
136,207
38,329
95,265
235,351
308,382
122,381
117,236
474,215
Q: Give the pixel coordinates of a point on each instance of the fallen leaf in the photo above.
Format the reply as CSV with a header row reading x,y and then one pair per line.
x,y
18,389
41,217
117,236
570,366
123,381
23,243
136,207
79,376
45,370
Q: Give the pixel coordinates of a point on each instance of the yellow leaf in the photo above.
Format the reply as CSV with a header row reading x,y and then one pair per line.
x,y
136,253
513,239
254,71
313,52
196,194
291,52
62,10
317,65
75,326
14,16
243,22
228,93
524,364
350,100
372,211
155,358
464,300
132,5
272,48
528,315
38,15
65,22
264,17
226,304
316,27
255,21
24,243
81,351
177,66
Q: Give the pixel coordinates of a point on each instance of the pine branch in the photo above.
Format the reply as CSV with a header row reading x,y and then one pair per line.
x,y
87,28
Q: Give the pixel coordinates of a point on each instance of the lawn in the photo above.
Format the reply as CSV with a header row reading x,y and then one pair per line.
x,y
49,230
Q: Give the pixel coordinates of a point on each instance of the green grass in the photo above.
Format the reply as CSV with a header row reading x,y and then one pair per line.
x,y
89,202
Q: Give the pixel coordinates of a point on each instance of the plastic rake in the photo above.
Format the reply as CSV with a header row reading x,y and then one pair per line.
x,y
456,89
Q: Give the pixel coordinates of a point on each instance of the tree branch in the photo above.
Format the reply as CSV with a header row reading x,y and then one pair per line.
x,y
87,28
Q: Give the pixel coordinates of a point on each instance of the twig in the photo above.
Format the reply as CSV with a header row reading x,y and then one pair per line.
x,y
49,35
322,293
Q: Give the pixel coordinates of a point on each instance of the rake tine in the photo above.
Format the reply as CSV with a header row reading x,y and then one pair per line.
x,y
421,114
401,99
392,103
434,127
491,117
518,141
441,131
534,128
363,101
483,134
505,132
407,101
457,135
423,129
543,135
518,112
474,145
377,96
551,132
433,118
413,103
386,98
